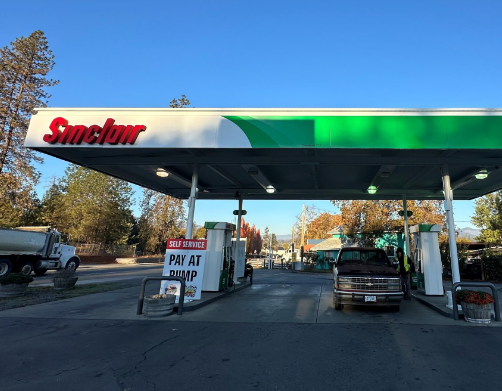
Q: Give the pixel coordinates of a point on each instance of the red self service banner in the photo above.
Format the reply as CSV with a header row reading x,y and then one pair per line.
x,y
186,244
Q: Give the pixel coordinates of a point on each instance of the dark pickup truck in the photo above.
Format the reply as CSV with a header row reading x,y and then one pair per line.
x,y
365,276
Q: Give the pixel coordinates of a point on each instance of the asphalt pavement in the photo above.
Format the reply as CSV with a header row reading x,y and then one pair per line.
x,y
280,334
105,273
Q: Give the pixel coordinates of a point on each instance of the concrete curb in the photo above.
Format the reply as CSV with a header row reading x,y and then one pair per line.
x,y
192,307
439,310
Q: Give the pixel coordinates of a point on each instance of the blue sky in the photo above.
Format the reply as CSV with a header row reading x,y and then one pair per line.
x,y
423,54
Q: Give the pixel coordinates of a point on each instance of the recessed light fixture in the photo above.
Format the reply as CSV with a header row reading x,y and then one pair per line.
x,y
162,173
482,174
253,172
270,189
372,189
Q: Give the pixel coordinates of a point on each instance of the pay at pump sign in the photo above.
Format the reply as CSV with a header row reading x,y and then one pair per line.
x,y
184,258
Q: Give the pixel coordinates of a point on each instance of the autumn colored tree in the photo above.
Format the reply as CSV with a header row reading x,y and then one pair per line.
x,y
257,242
24,66
317,224
369,220
200,233
321,225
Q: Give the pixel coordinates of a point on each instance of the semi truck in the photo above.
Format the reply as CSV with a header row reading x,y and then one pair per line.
x,y
34,249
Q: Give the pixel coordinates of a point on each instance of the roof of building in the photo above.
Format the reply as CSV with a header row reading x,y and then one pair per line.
x,y
328,244
308,247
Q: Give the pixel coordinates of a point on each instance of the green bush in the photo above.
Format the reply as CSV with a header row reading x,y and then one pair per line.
x,y
15,278
492,262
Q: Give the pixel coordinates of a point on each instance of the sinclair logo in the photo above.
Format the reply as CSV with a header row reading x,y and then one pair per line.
x,y
109,133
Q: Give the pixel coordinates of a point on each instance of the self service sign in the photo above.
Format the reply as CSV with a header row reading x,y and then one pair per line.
x,y
184,258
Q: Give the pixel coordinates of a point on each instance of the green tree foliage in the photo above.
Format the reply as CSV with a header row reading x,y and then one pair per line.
x,y
90,207
266,239
488,216
162,217
24,66
275,243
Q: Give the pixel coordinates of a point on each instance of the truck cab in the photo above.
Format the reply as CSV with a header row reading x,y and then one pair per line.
x,y
365,276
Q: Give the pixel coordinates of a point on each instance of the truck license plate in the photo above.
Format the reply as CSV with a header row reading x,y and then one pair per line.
x,y
370,299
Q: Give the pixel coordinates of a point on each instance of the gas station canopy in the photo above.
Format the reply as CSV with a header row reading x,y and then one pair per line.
x,y
282,154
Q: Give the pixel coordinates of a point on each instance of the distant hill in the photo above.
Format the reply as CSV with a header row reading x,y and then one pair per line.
x,y
469,233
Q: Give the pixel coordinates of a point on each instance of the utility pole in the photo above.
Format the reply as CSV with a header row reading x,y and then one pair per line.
x,y
303,231
270,254
292,239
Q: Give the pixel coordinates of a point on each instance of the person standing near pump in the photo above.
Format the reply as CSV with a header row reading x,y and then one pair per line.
x,y
403,268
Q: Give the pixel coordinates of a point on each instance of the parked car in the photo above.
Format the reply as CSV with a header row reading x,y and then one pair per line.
x,y
365,276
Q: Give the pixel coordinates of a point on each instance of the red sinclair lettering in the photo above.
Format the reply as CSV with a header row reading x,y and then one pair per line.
x,y
110,133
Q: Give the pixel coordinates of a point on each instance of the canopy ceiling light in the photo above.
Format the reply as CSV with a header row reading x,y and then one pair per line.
x,y
162,173
372,189
270,189
482,174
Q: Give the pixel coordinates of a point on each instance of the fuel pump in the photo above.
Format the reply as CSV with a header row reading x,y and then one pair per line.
x,y
219,265
427,259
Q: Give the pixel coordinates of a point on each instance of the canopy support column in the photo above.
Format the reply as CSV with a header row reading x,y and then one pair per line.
x,y
448,206
191,201
238,238
406,230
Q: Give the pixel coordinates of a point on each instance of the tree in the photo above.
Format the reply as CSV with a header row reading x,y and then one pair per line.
x,y
321,225
275,243
50,208
93,207
266,239
23,70
180,103
488,216
200,233
311,213
257,243
366,221
162,217
286,246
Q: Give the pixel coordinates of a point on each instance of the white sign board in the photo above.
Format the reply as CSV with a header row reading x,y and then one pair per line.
x,y
240,258
184,258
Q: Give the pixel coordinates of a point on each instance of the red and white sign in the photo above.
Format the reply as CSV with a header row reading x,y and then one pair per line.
x,y
186,244
184,258
109,133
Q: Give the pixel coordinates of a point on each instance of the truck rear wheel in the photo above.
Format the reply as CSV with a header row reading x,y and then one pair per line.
x,y
25,268
5,266
337,304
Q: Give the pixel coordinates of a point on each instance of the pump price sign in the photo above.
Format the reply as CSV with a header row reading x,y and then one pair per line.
x,y
184,258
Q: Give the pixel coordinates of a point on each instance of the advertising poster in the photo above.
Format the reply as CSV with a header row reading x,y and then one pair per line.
x,y
184,258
